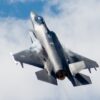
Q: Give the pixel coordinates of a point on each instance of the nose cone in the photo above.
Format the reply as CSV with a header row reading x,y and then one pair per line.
x,y
32,15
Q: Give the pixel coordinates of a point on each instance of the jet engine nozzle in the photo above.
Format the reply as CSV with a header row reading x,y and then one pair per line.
x,y
60,75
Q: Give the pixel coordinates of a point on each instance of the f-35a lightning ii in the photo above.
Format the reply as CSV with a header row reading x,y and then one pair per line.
x,y
55,61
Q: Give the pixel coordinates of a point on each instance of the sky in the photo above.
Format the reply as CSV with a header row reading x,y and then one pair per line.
x,y
77,25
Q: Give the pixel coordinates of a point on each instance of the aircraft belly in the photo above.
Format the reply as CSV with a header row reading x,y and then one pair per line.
x,y
48,44
52,53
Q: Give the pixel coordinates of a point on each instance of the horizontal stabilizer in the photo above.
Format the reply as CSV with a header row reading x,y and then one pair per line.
x,y
76,67
81,79
43,76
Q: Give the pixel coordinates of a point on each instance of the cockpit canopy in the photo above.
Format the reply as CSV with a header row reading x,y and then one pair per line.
x,y
39,19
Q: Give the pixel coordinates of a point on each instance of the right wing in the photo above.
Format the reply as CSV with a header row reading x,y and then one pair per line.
x,y
76,64
29,57
78,60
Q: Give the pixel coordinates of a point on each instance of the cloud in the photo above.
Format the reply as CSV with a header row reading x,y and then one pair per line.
x,y
17,83
78,20
77,26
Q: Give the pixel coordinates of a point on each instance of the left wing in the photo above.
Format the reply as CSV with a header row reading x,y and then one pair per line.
x,y
75,58
32,55
29,57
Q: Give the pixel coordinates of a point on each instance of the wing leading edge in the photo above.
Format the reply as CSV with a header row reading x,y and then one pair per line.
x,y
74,58
29,57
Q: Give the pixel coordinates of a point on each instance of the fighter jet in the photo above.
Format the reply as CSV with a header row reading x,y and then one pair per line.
x,y
56,62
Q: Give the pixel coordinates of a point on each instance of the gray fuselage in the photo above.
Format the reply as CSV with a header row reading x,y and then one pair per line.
x,y
51,45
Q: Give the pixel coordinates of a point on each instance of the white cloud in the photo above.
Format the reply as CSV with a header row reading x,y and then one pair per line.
x,y
77,26
17,83
77,21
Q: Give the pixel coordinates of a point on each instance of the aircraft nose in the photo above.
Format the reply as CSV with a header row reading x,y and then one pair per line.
x,y
32,15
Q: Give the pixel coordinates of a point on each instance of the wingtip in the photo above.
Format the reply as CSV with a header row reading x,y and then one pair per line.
x,y
12,56
97,65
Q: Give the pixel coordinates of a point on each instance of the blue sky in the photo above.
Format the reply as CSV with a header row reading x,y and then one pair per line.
x,y
22,10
